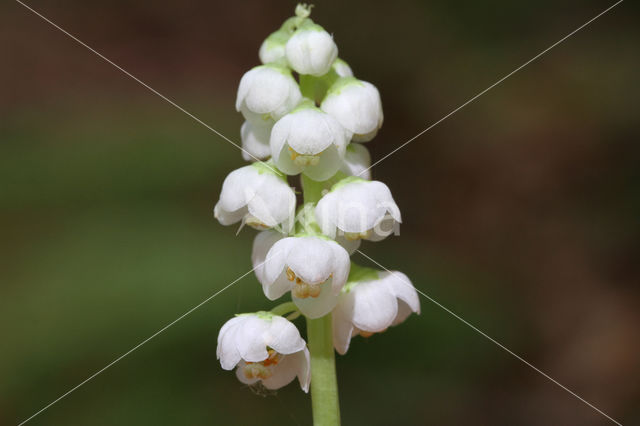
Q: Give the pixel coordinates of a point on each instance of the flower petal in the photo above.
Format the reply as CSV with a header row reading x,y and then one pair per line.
x,y
274,202
227,351
342,326
276,289
262,243
228,218
341,267
277,258
250,339
329,164
311,259
404,290
375,306
316,307
283,336
357,161
255,141
238,188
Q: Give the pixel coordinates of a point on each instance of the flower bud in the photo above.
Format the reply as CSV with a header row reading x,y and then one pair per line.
x,y
311,50
272,49
341,68
356,105
266,93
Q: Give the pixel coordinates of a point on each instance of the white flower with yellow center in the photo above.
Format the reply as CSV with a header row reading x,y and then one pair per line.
x,y
358,209
371,302
265,348
255,141
266,93
310,141
357,161
258,196
313,269
356,105
311,50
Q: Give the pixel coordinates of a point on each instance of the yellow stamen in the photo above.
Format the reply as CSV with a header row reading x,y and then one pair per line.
x,y
370,333
304,159
255,223
302,289
290,274
262,370
353,236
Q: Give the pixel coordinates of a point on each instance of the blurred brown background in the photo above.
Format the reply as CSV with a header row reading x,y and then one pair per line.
x,y
520,211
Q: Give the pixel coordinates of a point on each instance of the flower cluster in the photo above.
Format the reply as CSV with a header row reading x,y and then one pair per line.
x,y
306,114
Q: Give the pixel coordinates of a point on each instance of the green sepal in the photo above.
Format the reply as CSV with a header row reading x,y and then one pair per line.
x,y
342,82
269,167
347,180
358,274
263,315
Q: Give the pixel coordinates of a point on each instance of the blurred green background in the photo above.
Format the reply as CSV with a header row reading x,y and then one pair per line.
x,y
520,212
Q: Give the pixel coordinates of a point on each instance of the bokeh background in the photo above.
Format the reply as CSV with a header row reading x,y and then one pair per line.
x,y
520,211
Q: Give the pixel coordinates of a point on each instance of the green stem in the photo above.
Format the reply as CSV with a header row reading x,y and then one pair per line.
x,y
284,308
312,190
324,382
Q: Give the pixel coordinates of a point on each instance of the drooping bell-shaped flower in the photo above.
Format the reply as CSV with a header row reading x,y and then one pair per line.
x,y
266,93
255,141
265,348
371,302
358,209
310,141
313,269
311,50
357,161
356,105
259,196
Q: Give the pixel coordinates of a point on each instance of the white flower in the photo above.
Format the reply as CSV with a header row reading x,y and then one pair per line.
x,y
342,68
258,196
376,301
314,269
309,141
255,141
358,209
272,49
356,105
266,348
357,161
266,93
311,50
